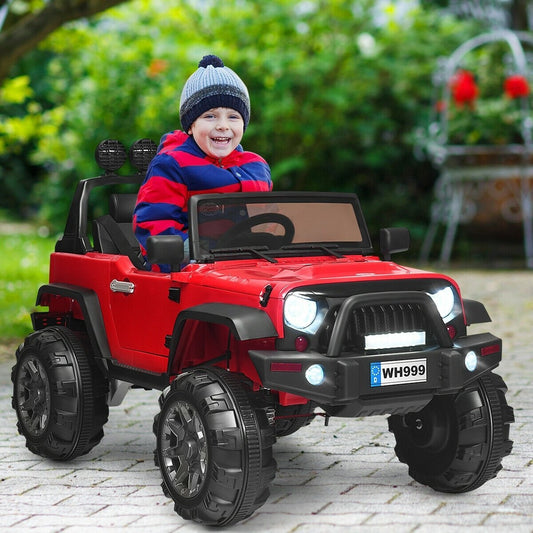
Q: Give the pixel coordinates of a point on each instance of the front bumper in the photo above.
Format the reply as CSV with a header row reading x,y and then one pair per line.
x,y
347,384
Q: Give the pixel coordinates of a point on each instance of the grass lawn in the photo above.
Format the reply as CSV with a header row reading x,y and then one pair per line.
x,y
24,258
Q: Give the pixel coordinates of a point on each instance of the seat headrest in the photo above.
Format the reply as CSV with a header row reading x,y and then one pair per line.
x,y
121,206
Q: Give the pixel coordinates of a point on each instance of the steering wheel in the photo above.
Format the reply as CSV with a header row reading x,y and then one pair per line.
x,y
241,234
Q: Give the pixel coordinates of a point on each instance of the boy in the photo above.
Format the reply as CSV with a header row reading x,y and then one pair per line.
x,y
205,157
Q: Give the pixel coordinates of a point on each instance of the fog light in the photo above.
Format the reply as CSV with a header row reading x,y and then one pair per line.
x,y
471,361
315,374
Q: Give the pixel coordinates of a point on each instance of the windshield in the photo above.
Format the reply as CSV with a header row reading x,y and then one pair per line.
x,y
276,224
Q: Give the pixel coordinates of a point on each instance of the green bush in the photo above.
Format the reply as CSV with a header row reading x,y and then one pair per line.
x,y
24,260
337,90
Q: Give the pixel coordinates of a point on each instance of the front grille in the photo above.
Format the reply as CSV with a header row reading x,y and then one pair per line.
x,y
391,318
373,320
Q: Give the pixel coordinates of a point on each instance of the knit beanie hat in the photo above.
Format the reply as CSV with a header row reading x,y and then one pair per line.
x,y
213,85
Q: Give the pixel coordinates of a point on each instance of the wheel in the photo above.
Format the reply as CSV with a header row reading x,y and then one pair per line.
x,y
291,418
214,449
241,234
58,394
457,442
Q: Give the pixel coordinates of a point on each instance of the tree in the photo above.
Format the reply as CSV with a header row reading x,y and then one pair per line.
x,y
22,31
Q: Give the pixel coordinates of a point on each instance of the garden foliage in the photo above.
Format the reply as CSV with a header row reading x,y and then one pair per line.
x,y
337,90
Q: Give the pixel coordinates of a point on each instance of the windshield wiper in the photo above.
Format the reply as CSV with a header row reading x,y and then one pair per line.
x,y
329,249
256,250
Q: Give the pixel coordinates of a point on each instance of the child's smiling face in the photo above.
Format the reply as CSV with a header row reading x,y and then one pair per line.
x,y
218,131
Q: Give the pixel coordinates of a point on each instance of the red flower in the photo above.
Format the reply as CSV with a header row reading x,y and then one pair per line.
x,y
463,87
157,66
516,86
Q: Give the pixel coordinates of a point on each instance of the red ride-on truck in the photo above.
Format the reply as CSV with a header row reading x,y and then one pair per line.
x,y
283,308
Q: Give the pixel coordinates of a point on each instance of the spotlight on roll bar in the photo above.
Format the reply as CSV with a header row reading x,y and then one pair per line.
x,y
110,155
141,153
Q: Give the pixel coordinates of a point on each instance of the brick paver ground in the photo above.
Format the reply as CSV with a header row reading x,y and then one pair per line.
x,y
344,477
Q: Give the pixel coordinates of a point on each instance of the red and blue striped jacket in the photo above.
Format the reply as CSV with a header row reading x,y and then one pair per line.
x,y
181,169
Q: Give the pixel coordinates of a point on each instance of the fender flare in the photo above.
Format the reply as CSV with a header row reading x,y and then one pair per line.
x,y
92,314
245,323
475,312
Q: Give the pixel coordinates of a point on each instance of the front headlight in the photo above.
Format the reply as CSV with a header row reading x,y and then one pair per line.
x,y
299,312
444,300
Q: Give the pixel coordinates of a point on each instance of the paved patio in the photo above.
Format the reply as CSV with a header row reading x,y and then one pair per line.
x,y
344,477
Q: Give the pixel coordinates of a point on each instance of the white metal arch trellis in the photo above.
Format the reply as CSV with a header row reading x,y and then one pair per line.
x,y
453,185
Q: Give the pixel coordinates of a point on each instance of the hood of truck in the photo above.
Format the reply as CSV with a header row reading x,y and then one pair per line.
x,y
252,276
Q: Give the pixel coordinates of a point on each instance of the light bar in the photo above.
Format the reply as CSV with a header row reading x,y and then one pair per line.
x,y
395,340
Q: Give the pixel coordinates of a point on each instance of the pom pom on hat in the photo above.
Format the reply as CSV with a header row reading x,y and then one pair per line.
x,y
213,85
215,61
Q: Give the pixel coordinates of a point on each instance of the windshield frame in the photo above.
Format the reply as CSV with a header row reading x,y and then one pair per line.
x,y
316,248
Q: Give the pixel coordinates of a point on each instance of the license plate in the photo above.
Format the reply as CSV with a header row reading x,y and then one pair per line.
x,y
398,372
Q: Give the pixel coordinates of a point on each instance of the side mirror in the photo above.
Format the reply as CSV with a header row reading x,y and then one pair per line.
x,y
393,240
165,250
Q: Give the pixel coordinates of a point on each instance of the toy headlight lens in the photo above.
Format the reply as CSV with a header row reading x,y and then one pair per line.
x,y
299,312
444,300
315,375
471,361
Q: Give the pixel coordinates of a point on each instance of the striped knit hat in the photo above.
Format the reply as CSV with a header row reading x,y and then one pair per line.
x,y
213,85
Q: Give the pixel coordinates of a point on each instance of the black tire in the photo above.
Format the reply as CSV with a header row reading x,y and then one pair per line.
x,y
214,449
291,418
457,442
59,395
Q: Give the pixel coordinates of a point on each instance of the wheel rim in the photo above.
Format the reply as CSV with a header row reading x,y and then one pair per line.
x,y
33,396
184,449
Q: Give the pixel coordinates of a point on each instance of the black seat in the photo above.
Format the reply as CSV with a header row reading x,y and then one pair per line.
x,y
113,233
